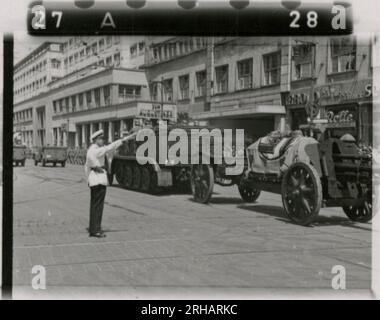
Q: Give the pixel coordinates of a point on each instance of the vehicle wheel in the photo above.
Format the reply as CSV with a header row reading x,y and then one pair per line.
x,y
128,176
119,173
54,164
43,163
136,177
35,162
301,193
359,213
23,163
63,164
145,179
247,193
202,182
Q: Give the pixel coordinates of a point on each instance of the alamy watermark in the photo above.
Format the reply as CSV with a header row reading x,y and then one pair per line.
x,y
194,146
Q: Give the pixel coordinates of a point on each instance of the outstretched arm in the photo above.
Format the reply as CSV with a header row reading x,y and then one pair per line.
x,y
114,145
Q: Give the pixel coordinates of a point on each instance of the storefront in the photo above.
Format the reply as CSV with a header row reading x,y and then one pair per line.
x,y
348,104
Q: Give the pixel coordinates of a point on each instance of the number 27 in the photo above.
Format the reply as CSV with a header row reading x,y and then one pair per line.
x,y
39,19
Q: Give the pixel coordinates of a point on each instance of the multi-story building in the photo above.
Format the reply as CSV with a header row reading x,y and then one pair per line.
x,y
260,84
231,82
116,51
99,85
34,72
335,73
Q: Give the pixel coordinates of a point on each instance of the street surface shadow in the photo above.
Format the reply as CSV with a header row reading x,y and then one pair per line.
x,y
321,220
161,192
225,200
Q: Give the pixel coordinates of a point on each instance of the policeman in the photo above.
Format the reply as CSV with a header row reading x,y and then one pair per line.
x,y
97,178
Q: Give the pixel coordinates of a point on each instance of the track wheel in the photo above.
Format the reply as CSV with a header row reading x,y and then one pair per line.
x,y
136,171
145,179
128,176
119,173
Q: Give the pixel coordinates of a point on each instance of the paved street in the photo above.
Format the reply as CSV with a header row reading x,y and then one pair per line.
x,y
168,243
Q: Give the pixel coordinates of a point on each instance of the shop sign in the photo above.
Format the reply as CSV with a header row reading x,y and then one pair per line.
x,y
157,111
333,93
342,116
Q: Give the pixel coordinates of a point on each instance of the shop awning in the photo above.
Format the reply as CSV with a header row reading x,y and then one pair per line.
x,y
251,112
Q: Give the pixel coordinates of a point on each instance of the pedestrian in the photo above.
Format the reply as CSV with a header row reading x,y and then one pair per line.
x,y
97,178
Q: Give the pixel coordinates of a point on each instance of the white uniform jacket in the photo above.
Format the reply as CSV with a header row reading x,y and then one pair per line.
x,y
96,158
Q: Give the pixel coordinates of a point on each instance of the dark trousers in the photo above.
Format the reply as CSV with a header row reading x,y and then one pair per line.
x,y
98,193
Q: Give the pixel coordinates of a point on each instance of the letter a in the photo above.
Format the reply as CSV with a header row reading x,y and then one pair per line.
x,y
338,282
108,21
339,20
39,280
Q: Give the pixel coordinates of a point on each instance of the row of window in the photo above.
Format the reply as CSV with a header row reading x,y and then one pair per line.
x,y
168,50
97,44
35,85
78,57
39,67
95,98
23,116
271,66
343,59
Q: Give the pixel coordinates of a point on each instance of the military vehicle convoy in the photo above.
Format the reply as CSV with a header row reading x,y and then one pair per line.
x,y
310,169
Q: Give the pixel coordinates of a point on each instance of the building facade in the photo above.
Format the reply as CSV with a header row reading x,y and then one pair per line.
x,y
87,83
258,84
261,84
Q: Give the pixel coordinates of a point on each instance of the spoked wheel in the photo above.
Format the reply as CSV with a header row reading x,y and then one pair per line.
x,y
202,182
119,173
301,193
145,179
247,193
361,213
128,176
136,177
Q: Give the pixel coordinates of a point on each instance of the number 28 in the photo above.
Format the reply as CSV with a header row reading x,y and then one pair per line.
x,y
311,19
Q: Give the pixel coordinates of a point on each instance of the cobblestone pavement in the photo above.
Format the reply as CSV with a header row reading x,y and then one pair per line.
x,y
168,243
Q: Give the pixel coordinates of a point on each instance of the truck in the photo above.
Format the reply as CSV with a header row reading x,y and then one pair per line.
x,y
19,155
50,154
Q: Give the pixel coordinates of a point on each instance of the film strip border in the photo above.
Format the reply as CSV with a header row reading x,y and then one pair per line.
x,y
189,17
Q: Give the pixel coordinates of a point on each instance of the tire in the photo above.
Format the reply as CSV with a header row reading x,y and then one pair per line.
x,y
128,176
301,193
360,213
247,193
23,163
43,163
63,164
54,164
136,177
146,179
35,162
202,182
